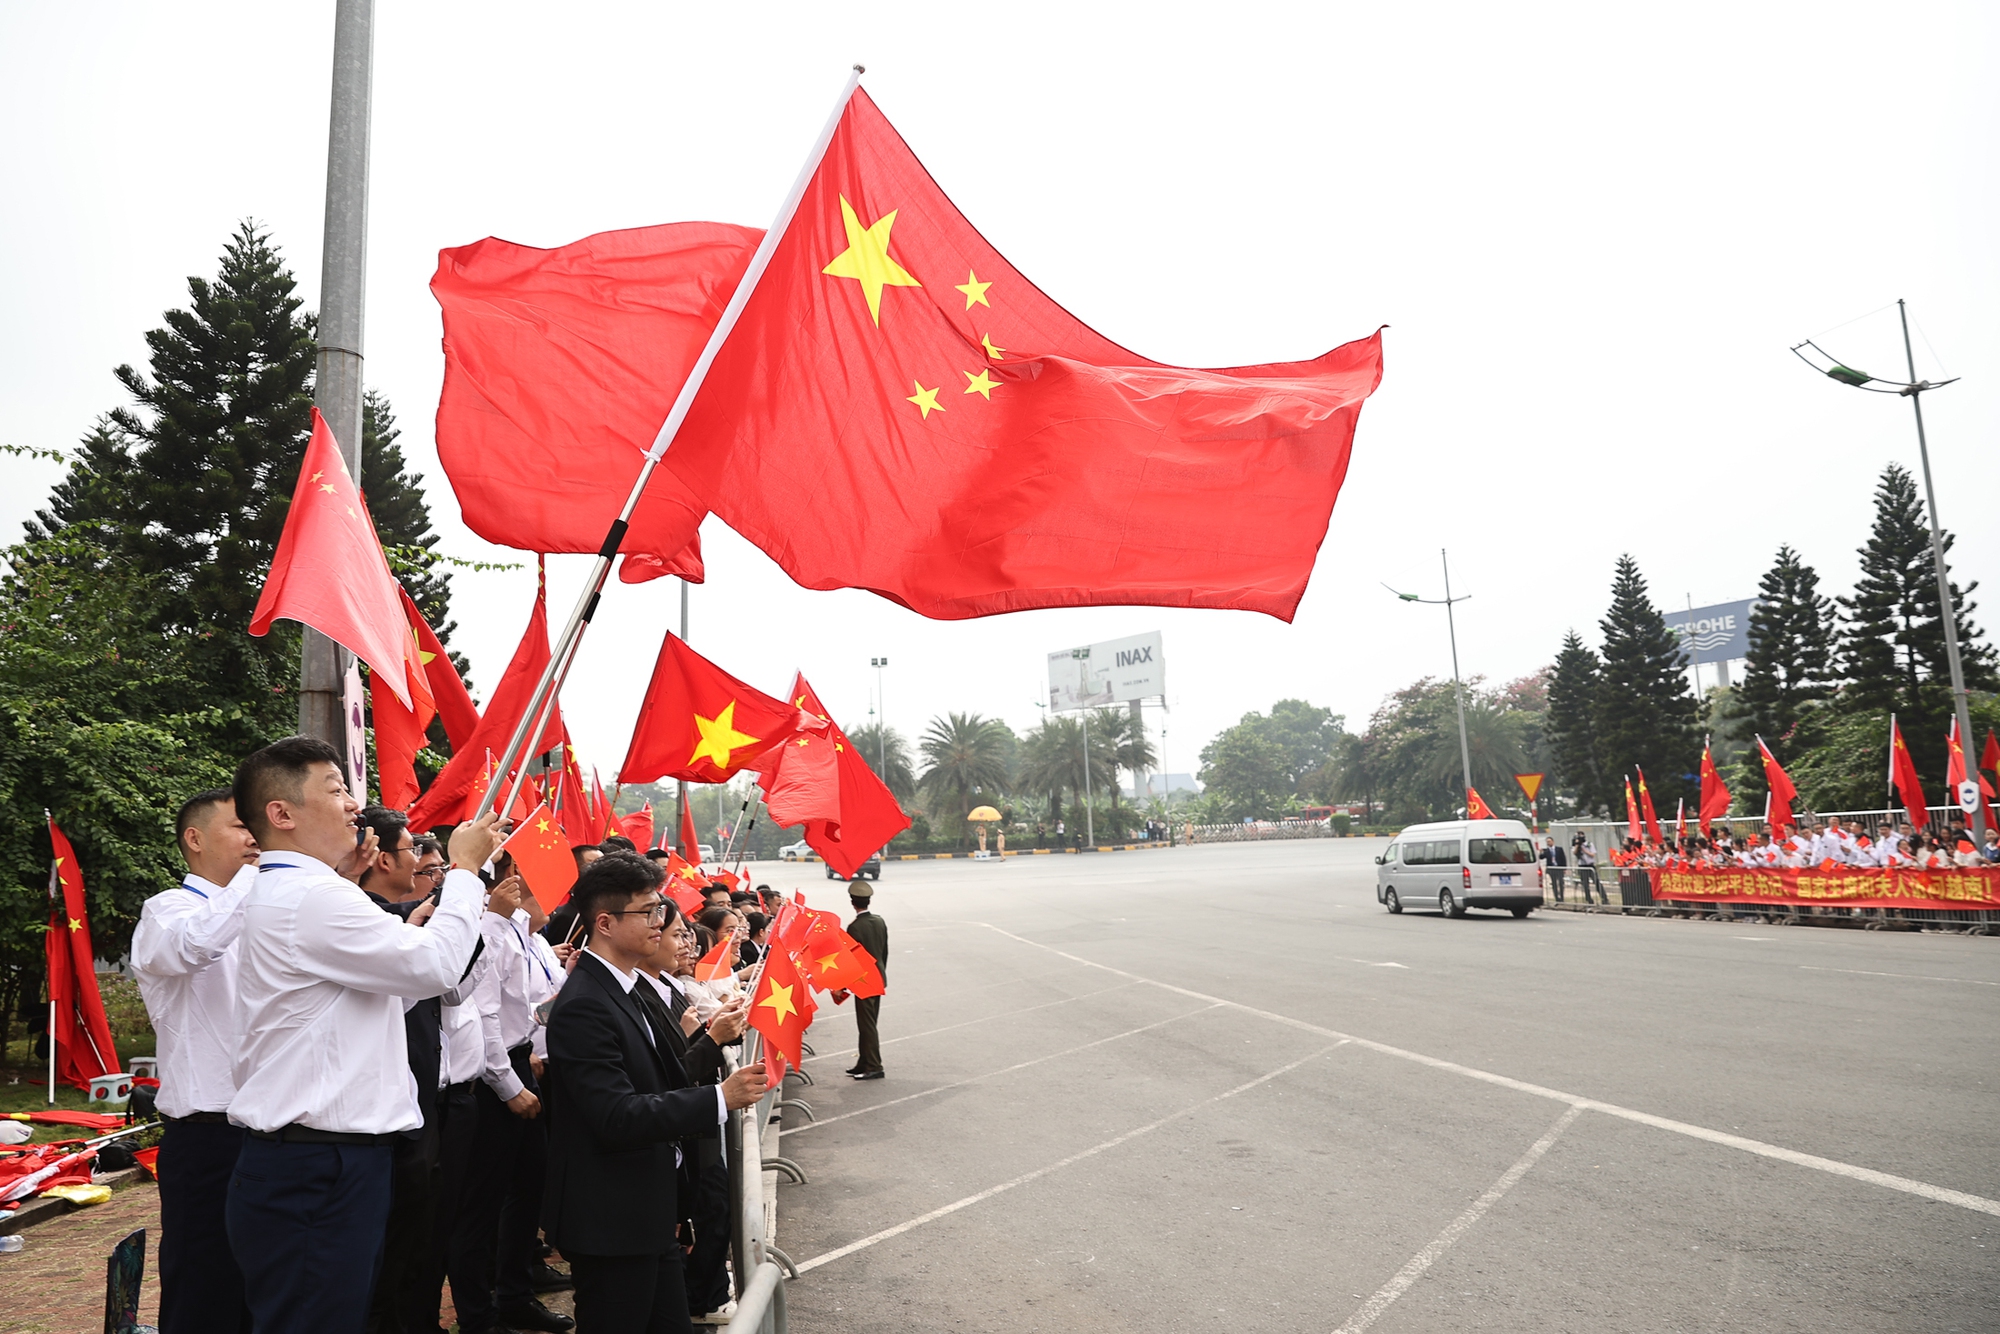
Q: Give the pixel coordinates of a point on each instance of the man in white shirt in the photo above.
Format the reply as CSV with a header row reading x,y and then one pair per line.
x,y
323,1083
184,958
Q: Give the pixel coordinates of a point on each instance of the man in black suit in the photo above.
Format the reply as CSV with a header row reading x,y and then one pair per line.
x,y
618,1101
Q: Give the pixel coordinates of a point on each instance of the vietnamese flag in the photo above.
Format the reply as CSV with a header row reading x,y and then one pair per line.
x,y
329,571
700,723
1646,808
1476,807
869,815
1714,795
77,1022
1989,758
777,1010
1778,812
559,367
542,855
446,800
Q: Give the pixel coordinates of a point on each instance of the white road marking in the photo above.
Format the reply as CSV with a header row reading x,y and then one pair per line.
x,y
961,1083
1372,1309
886,1233
1915,977
1908,1186
1004,1014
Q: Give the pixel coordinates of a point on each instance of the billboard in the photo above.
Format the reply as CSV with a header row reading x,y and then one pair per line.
x,y
1109,673
1714,634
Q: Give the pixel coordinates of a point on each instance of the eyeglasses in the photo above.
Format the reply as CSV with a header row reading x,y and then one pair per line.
x,y
655,916
431,872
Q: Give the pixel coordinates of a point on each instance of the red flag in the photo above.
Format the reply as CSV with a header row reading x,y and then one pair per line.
x,y
399,731
1989,758
870,815
1632,828
559,369
445,800
719,962
1680,821
1714,796
1646,808
774,1067
542,855
700,723
329,571
1476,807
777,1010
685,884
638,826
453,701
78,1025
801,780
1779,812
1955,773
1903,776
601,810
690,842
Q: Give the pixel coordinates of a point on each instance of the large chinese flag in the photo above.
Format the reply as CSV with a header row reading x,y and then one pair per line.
x,y
1903,779
446,799
1778,811
869,816
700,723
1714,794
559,368
329,571
778,1010
1646,808
78,1025
892,364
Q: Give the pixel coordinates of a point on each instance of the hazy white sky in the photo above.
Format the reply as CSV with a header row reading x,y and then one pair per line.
x,y
1594,231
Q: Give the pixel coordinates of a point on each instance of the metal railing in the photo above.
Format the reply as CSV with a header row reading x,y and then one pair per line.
x,y
759,1266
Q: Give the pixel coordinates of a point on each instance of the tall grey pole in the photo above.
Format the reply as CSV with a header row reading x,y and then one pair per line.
x,y
681,785
1139,792
1458,690
1089,826
1946,607
342,286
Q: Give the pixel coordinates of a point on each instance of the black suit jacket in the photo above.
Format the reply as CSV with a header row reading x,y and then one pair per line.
x,y
615,1105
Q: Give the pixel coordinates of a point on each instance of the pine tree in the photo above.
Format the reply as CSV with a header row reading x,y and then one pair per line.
x,y
1572,726
1645,714
1791,659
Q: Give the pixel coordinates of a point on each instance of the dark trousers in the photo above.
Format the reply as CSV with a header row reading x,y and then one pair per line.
x,y
867,1011
458,1134
1556,881
201,1289
406,1245
629,1294
493,1242
1586,877
706,1278
306,1224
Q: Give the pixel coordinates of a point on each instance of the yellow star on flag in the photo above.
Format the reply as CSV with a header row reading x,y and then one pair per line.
x,y
779,1002
542,825
981,384
830,964
75,925
925,399
326,486
719,737
316,476
975,291
423,655
986,341
866,259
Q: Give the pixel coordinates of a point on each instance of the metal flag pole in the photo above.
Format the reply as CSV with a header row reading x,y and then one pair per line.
x,y
1458,689
586,605
55,890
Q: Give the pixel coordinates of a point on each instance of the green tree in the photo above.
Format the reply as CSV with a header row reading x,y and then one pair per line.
x,y
1791,663
965,765
1244,772
1572,725
1645,715
1052,761
889,757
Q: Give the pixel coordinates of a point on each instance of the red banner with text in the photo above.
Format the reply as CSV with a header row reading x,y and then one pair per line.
x,y
1844,886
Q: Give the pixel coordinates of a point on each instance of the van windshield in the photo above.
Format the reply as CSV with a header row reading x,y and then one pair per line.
x,y
1501,851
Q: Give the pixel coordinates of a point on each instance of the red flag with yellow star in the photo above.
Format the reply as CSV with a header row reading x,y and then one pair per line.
x,y
685,883
1646,807
891,363
778,1010
329,571
77,1023
638,826
399,731
1714,793
542,856
700,723
869,814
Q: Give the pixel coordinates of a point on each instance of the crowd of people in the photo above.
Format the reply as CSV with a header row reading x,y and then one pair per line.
x,y
1811,844
384,1069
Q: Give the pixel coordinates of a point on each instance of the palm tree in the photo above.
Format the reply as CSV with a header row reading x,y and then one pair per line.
x,y
1130,747
890,761
965,758
1052,762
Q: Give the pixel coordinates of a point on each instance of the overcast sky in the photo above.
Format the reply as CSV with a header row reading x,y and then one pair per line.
x,y
1594,231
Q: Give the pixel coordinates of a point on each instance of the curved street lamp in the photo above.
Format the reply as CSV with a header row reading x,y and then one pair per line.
x,y
1913,389
1458,690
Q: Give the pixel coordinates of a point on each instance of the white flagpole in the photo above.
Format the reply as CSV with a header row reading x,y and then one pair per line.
x,y
586,605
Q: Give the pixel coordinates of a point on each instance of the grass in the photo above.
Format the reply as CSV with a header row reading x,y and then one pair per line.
x,y
130,1029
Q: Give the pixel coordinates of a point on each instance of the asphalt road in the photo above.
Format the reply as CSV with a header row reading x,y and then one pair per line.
x,y
1218,1088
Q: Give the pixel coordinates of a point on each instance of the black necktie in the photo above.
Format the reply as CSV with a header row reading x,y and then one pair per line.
x,y
665,1030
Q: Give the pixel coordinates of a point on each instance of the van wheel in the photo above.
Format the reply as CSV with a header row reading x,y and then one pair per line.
x,y
1522,912
1391,901
1448,904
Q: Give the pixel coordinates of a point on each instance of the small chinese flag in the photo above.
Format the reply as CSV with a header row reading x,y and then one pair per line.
x,y
542,856
778,1009
1778,814
719,962
1632,829
684,884
1646,808
690,841
700,723
1714,795
1476,807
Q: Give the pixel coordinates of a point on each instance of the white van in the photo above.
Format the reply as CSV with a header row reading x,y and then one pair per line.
x,y
1461,864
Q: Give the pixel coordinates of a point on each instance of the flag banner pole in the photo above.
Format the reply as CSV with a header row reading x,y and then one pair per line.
x,y
586,605
541,721
736,830
55,891
742,853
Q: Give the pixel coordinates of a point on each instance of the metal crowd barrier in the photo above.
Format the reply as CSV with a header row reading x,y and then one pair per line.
x,y
1631,894
758,1265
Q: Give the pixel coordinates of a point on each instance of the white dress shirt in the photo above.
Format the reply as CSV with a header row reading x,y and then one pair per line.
x,y
319,1009
460,1033
183,958
503,1002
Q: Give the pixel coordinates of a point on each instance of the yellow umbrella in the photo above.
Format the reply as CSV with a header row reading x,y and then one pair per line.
x,y
983,813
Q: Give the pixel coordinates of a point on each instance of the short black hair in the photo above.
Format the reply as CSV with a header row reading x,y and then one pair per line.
x,y
388,824
714,887
195,809
756,921
612,881
658,855
424,843
277,773
618,843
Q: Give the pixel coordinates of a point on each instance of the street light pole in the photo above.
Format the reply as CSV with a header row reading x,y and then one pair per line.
x,y
881,720
1457,687
1946,607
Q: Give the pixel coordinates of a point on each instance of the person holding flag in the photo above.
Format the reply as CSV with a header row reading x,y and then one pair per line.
x,y
871,933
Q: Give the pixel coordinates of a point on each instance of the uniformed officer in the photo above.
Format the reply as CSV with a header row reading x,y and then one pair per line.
x,y
872,934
